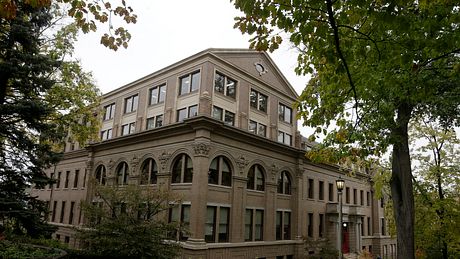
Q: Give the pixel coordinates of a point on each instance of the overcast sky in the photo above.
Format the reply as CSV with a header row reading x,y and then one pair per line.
x,y
166,32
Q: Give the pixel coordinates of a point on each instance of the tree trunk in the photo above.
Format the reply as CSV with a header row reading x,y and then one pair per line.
x,y
401,185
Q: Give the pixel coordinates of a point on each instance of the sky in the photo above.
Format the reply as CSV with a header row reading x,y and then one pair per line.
x,y
167,32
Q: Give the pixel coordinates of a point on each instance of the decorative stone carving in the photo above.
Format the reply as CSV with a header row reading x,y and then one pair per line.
x,y
163,158
134,163
242,162
110,165
201,148
274,169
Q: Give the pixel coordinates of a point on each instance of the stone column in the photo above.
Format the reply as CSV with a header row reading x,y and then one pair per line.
x,y
199,189
238,200
270,211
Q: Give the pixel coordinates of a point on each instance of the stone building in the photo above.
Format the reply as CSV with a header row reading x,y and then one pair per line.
x,y
218,128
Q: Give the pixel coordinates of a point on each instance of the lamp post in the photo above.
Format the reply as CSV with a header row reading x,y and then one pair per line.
x,y
340,183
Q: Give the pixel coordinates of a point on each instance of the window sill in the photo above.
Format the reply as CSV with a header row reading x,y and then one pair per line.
x,y
156,104
189,94
253,109
224,96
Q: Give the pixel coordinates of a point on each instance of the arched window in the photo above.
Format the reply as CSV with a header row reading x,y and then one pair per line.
x,y
100,175
284,183
149,172
220,172
122,174
256,179
182,169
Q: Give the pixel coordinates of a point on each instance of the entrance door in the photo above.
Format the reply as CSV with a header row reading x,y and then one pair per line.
x,y
345,239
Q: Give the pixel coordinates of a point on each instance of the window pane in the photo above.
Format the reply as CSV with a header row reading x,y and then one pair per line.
x,y
192,111
287,183
248,225
280,137
195,82
287,139
219,83
280,183
287,225
231,86
150,123
188,174
288,115
253,127
278,225
250,183
259,180
135,102
223,224
259,226
162,93
253,99
229,118
209,229
226,173
154,95
181,114
185,218
153,172
213,174
281,112
262,102
159,121
262,130
184,85
217,113
177,169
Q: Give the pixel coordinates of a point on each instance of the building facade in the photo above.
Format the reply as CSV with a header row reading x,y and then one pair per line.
x,y
218,129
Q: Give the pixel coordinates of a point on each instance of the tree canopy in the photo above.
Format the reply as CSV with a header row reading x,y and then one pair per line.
x,y
129,222
87,14
376,65
44,97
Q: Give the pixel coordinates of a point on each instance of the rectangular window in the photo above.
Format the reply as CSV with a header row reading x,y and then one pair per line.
x,y
283,225
61,219
217,113
184,212
181,114
66,239
192,111
75,179
321,225
321,190
224,221
310,225
355,196
362,226
257,128
279,225
67,178
127,129
259,225
382,225
258,100
210,224
248,222
347,194
106,134
382,202
157,94
284,113
52,178
189,83
225,85
109,111
229,118
331,192
369,227
284,138
131,103
154,122
58,182
287,225
53,215
368,198
311,188
361,197
72,208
